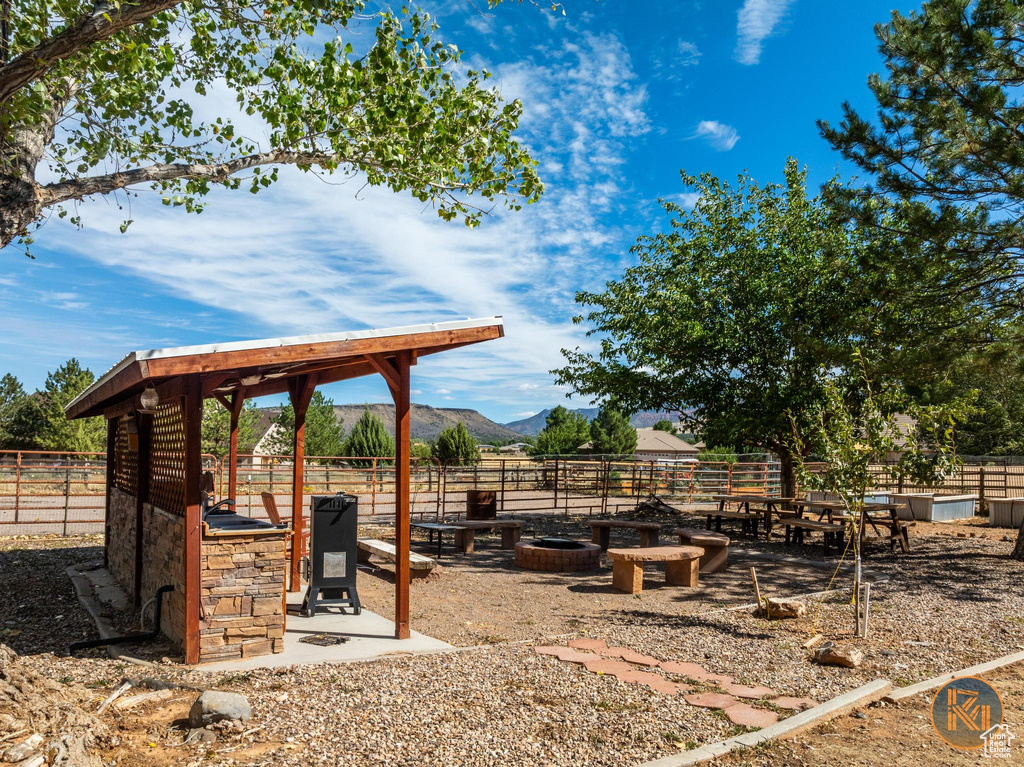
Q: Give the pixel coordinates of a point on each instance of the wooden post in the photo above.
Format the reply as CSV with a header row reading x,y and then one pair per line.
x,y
402,532
17,486
237,402
193,416
111,457
300,390
144,453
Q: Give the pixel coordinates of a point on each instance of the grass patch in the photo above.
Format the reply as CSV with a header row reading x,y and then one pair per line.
x,y
98,683
613,706
230,679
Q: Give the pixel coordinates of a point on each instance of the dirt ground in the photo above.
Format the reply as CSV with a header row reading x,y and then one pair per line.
x,y
953,601
894,736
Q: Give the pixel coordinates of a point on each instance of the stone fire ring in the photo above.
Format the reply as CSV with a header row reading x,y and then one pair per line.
x,y
532,555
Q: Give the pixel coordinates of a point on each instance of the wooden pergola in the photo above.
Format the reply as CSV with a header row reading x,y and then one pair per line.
x,y
232,372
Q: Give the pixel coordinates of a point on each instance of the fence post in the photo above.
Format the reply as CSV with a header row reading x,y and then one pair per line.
x,y
982,509
556,483
17,486
373,489
728,481
67,498
503,486
442,489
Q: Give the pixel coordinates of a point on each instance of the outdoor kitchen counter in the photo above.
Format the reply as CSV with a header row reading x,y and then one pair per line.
x,y
243,577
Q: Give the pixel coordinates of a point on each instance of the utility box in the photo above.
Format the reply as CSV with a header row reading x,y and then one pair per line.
x,y
334,525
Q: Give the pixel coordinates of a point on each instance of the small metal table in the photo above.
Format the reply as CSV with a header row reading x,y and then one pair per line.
x,y
435,527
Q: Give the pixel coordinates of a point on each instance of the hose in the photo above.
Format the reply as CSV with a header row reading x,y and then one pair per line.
x,y
144,636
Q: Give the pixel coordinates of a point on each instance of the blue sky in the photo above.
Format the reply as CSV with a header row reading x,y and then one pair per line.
x,y
618,97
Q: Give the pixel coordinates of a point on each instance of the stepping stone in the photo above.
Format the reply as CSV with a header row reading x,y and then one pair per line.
x,y
794,704
743,691
612,652
657,683
640,660
748,716
588,644
548,650
607,666
695,671
712,700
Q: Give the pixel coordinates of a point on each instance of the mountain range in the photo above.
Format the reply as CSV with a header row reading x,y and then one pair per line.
x,y
531,426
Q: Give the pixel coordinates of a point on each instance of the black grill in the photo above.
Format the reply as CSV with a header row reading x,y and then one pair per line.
x,y
333,534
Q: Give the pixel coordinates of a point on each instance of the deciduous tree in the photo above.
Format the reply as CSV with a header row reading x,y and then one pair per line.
x,y
563,433
98,97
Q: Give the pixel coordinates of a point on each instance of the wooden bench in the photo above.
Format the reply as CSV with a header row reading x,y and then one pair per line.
x,y
419,565
465,533
715,545
601,531
682,565
833,533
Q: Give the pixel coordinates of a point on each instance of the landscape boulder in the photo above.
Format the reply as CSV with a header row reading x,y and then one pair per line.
x,y
22,751
786,608
213,706
834,655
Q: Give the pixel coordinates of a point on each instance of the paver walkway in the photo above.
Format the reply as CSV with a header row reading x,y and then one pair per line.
x,y
621,662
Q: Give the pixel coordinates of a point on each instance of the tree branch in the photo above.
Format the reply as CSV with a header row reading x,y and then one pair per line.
x,y
103,21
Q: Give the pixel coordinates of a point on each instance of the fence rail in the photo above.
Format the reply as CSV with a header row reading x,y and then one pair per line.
x,y
64,492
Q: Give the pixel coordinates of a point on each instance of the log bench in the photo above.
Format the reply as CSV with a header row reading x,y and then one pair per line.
x,y
833,533
682,565
419,565
465,532
715,545
601,531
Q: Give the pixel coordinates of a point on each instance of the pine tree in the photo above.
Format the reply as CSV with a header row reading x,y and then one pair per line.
x,y
611,433
217,429
325,434
563,433
370,438
455,447
12,398
40,423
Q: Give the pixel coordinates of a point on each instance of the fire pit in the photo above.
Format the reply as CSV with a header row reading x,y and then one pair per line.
x,y
558,555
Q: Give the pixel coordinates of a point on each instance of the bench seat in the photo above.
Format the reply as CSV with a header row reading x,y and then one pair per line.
x,y
419,565
715,545
682,565
601,531
465,532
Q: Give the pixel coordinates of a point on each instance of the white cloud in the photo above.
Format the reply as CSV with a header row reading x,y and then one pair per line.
x,y
757,19
685,199
689,54
721,136
444,391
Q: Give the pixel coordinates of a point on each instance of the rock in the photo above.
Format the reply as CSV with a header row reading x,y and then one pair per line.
x,y
786,608
213,706
20,751
833,655
201,735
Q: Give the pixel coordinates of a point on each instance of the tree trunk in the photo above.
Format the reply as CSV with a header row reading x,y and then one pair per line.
x,y
19,207
787,473
1018,549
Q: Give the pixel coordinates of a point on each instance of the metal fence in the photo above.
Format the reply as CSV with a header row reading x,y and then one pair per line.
x,y
64,492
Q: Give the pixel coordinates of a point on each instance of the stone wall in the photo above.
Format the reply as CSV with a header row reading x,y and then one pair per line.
x,y
163,562
243,590
121,544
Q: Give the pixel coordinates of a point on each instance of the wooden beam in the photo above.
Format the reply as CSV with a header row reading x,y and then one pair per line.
x,y
165,390
193,412
144,453
300,392
235,408
223,400
402,532
111,460
93,403
214,380
387,370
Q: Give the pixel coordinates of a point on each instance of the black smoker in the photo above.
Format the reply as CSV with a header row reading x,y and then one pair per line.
x,y
332,553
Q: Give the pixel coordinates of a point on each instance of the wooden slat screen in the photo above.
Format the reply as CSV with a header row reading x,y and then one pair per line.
x,y
126,461
167,458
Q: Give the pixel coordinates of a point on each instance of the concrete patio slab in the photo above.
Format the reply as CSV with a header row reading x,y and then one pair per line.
x,y
369,636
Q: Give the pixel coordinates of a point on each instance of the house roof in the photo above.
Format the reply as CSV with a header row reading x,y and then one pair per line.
x,y
265,366
655,441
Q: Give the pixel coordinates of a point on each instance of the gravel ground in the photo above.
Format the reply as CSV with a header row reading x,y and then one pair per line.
x,y
951,602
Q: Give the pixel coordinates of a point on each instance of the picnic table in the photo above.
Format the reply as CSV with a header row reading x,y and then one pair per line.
x,y
601,531
435,528
770,505
883,518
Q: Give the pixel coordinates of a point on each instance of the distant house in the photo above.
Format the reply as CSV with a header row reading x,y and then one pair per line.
x,y
652,445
